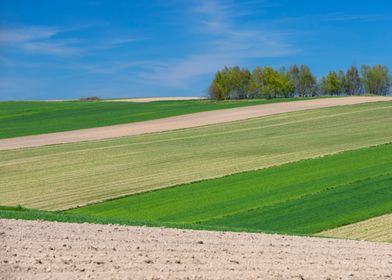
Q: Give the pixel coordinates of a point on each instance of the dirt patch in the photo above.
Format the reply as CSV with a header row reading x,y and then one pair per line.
x,y
179,122
46,250
151,99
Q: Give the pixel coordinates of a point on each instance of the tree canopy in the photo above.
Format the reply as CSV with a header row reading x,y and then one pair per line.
x,y
268,82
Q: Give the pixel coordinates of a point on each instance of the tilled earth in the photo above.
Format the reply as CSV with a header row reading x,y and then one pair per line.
x,y
51,250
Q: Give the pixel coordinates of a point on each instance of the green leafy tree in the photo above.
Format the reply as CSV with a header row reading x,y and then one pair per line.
x,y
214,91
294,75
353,83
238,82
230,83
264,82
376,80
332,84
307,83
286,84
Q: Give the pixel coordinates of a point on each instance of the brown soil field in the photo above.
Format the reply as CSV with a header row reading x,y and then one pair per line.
x,y
151,99
51,250
375,229
180,122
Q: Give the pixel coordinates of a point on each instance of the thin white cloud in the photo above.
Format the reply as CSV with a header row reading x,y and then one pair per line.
x,y
332,17
12,36
51,48
49,40
116,42
37,39
230,44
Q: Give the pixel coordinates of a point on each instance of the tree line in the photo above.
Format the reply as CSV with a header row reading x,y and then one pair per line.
x,y
298,81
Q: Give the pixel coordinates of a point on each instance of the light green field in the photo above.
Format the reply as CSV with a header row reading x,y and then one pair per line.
x,y
65,176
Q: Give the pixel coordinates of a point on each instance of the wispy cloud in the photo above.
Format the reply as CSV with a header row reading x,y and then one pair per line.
x,y
111,43
352,17
227,44
51,48
333,17
12,36
38,39
59,41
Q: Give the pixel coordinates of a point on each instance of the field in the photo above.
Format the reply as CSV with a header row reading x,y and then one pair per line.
x,y
179,122
64,176
38,249
21,118
375,229
313,213
291,198
222,199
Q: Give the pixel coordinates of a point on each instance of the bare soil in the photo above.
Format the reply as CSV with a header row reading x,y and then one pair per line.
x,y
50,250
151,99
179,122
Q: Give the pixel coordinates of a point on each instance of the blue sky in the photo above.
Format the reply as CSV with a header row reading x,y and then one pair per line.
x,y
68,49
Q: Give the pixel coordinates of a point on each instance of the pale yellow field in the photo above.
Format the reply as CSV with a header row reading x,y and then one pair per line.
x,y
375,229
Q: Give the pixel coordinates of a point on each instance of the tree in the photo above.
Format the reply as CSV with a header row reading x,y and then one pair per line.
x,y
266,82
307,83
342,82
230,83
218,89
238,82
353,84
286,84
294,75
332,84
376,79
214,91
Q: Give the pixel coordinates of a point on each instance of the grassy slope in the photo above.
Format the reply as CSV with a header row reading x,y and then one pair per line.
x,y
313,213
20,118
64,176
31,214
289,198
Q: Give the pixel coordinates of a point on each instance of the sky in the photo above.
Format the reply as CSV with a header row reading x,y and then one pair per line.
x,y
70,49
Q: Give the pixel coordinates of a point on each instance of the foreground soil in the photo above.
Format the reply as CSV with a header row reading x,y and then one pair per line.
x,y
47,250
180,122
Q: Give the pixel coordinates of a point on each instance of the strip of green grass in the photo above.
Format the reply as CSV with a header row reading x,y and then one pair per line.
x,y
65,176
273,187
21,118
325,210
31,214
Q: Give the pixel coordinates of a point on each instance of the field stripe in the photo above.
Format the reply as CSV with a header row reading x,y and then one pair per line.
x,y
180,122
316,212
374,229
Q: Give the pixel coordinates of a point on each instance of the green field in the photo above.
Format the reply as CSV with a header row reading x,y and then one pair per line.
x,y
302,197
325,210
64,176
31,214
21,118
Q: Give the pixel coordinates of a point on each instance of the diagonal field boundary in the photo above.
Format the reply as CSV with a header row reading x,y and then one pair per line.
x,y
180,122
